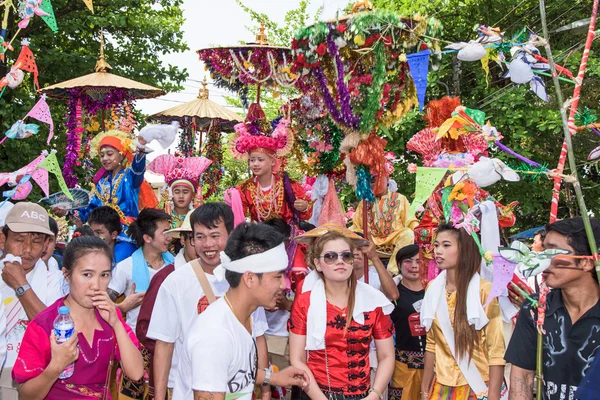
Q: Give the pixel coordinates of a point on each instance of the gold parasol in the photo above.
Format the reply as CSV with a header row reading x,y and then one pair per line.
x,y
98,84
202,110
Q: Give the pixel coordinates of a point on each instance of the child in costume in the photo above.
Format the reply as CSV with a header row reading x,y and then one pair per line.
x,y
119,183
267,195
182,177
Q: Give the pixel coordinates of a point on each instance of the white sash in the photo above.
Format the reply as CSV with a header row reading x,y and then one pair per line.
x,y
468,368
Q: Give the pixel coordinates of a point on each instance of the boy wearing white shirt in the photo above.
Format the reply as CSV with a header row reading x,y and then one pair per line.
x,y
27,287
220,355
181,297
132,275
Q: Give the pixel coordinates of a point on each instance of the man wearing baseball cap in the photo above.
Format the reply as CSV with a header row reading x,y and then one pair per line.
x,y
27,287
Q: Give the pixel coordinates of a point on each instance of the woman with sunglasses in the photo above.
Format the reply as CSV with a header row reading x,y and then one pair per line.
x,y
334,319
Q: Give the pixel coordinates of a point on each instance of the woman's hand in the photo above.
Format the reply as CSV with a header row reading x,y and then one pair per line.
x,y
369,250
106,308
301,205
65,353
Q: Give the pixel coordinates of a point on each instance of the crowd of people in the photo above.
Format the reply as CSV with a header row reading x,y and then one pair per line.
x,y
210,300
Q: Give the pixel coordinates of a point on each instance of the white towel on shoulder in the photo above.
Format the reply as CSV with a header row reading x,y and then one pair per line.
x,y
367,299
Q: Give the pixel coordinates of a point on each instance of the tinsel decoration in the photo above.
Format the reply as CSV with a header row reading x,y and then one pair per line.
x,y
529,172
79,101
320,142
213,150
375,91
363,185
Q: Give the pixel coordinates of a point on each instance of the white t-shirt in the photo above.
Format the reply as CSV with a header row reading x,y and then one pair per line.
x,y
2,332
180,259
121,282
220,356
46,285
277,321
373,278
176,309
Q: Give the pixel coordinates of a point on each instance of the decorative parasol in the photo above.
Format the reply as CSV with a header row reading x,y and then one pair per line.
x,y
259,63
99,91
202,115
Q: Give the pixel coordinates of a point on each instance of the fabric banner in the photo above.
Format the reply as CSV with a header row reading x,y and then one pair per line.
x,y
418,63
427,180
41,112
51,165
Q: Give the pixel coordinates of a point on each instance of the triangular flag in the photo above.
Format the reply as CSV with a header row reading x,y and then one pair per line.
x,y
51,165
41,112
427,180
40,176
26,62
89,4
50,19
418,63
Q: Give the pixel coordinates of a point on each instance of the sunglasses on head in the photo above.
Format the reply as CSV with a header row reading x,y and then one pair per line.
x,y
331,257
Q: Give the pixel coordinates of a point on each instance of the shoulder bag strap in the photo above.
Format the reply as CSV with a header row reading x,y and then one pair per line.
x,y
201,275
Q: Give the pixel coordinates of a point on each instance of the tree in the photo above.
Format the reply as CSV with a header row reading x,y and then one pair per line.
x,y
137,31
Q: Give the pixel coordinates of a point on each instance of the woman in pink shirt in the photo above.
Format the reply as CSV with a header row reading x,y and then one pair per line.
x,y
100,336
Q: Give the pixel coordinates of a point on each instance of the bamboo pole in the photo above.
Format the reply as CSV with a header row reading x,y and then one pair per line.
x,y
576,95
569,125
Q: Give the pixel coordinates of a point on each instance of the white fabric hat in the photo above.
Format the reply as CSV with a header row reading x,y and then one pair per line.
x,y
4,209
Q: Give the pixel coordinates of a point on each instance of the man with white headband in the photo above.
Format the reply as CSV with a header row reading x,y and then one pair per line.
x,y
222,353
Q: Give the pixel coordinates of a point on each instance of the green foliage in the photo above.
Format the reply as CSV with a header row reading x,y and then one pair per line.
x,y
137,33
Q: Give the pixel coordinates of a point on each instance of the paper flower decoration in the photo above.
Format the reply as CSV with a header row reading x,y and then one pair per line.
x,y
29,8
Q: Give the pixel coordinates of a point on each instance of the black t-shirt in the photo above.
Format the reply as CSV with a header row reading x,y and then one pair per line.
x,y
568,349
405,307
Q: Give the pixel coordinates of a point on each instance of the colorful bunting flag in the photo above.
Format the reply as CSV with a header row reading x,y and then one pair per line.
x,y
418,63
89,4
427,180
51,165
41,112
49,19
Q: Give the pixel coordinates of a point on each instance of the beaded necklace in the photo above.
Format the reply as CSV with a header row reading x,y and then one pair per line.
x,y
268,205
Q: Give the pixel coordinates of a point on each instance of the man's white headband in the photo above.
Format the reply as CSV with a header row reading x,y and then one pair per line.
x,y
272,260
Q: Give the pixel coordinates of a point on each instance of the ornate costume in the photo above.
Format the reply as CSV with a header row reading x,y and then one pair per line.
x,y
390,225
179,171
276,200
126,192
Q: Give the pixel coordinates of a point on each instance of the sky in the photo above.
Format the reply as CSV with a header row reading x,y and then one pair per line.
x,y
213,23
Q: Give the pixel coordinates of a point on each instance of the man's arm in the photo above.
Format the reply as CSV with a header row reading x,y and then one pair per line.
x,y
521,384
198,395
14,277
388,287
31,304
163,356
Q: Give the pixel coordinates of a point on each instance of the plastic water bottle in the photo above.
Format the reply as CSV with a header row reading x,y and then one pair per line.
x,y
63,329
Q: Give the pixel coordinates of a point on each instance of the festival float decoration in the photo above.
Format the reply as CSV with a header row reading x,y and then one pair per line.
x,y
24,63
368,68
21,130
86,96
258,63
199,117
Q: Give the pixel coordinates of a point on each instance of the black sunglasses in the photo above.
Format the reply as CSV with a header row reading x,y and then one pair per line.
x,y
331,257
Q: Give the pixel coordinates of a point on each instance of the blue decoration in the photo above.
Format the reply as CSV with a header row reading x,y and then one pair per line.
x,y
418,63
363,185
